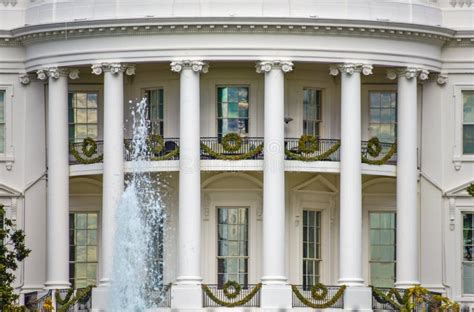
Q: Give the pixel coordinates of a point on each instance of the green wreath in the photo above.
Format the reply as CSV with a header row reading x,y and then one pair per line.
x,y
231,142
242,301
323,156
308,144
319,292
234,286
383,160
374,147
470,190
316,296
207,150
156,144
89,148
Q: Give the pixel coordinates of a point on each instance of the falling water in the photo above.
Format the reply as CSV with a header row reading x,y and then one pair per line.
x,y
137,281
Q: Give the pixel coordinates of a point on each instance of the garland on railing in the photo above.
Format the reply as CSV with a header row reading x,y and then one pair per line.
x,y
231,294
319,292
63,305
323,156
413,296
231,143
89,148
156,144
470,190
374,148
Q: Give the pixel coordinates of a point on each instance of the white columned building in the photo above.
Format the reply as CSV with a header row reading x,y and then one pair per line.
x,y
188,290
58,179
407,175
275,292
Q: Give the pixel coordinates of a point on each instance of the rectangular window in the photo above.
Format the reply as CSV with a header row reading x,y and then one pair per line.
x,y
468,254
232,111
468,122
382,248
311,111
232,256
155,110
383,115
83,108
82,249
311,247
2,121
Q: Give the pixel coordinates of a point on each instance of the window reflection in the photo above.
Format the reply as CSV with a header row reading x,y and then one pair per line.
x,y
83,111
382,235
232,110
383,115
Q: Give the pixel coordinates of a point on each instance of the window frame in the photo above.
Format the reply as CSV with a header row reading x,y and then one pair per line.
x,y
8,154
319,259
458,156
317,121
98,113
162,120
249,96
369,107
464,123
93,88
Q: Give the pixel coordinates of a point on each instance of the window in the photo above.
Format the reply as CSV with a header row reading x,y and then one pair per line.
x,y
82,115
382,248
383,115
155,110
311,247
468,122
311,111
82,249
468,254
232,110
2,122
232,256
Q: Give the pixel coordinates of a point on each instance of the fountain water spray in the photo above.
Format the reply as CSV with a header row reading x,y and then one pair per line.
x,y
137,278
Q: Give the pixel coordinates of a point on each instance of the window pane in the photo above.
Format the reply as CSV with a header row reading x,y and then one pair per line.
x,y
311,247
468,278
383,115
81,100
92,100
82,115
2,106
468,100
468,139
311,111
2,139
382,248
92,116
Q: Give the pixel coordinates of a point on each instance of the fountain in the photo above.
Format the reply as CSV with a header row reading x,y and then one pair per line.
x,y
138,249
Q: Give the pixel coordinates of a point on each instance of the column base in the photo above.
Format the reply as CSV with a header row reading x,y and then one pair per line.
x,y
275,296
57,285
100,298
186,297
358,299
406,284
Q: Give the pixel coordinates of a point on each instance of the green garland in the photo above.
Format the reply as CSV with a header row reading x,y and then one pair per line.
x,y
242,301
231,142
231,285
68,302
323,156
207,150
156,145
319,296
374,147
470,190
89,148
388,298
383,160
308,144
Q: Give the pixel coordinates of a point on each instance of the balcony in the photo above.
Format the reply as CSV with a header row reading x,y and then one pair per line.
x,y
233,148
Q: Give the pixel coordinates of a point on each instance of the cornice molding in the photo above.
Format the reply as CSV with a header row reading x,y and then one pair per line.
x,y
310,26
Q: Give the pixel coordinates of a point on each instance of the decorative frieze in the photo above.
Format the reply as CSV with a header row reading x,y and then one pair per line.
x,y
266,66
350,69
196,66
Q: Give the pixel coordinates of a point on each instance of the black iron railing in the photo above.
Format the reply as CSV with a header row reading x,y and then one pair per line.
x,y
167,149
80,152
388,150
162,297
84,304
214,148
35,301
305,291
379,304
218,293
327,150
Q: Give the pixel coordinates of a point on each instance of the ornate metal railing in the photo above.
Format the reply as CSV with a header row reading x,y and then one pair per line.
x,y
87,152
83,304
318,297
231,147
159,148
309,148
162,298
375,152
221,296
389,299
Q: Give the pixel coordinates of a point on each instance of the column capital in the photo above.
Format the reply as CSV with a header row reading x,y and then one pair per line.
x,y
441,79
114,68
408,73
196,66
25,78
52,72
351,68
266,66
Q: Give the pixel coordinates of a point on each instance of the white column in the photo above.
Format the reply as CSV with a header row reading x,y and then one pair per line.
x,y
188,292
407,172
350,244
275,292
58,179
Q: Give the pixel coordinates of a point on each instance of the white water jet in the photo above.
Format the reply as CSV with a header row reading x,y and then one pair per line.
x,y
137,278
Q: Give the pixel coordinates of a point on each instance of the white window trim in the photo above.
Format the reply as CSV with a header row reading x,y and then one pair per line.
x,y
99,89
458,156
366,89
143,92
321,111
8,156
461,208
